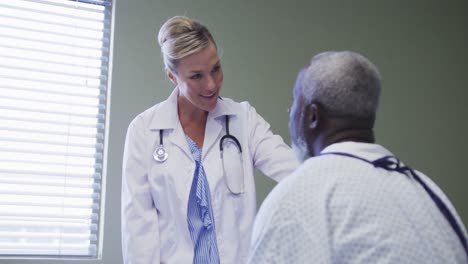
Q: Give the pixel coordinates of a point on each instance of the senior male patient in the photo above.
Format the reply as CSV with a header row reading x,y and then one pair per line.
x,y
352,200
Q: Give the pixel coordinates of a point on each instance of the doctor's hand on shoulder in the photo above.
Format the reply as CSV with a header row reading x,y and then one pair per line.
x,y
188,189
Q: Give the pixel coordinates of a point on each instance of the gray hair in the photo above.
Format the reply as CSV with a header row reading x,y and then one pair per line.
x,y
181,36
345,83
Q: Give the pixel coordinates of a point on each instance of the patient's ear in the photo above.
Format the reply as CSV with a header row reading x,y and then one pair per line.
x,y
312,116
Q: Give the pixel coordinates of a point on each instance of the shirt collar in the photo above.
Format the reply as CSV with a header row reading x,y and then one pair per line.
x,y
165,115
369,151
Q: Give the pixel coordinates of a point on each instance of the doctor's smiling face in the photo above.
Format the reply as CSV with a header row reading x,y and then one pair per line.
x,y
199,78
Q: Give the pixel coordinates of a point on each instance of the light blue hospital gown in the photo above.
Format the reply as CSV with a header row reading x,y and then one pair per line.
x,y
337,209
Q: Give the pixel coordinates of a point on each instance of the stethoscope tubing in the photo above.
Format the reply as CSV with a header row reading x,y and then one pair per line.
x,y
229,136
160,154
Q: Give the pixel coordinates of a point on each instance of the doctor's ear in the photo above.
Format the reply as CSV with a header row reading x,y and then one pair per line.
x,y
171,76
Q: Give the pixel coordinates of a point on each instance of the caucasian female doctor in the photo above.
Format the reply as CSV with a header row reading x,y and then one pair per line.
x,y
188,190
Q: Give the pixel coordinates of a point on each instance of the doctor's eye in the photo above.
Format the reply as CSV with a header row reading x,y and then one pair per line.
x,y
216,68
197,76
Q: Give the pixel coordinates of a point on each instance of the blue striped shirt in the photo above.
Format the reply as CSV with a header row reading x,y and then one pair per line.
x,y
199,213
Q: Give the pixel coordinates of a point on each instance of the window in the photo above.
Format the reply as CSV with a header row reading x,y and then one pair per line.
x,y
54,58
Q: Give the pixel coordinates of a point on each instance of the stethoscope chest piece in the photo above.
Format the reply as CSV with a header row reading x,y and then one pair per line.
x,y
160,154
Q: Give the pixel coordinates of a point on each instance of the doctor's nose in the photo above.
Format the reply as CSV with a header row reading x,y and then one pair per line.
x,y
210,84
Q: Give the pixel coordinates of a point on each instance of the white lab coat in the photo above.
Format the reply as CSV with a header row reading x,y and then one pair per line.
x,y
155,195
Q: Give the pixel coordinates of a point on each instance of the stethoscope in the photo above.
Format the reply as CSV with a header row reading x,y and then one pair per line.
x,y
160,155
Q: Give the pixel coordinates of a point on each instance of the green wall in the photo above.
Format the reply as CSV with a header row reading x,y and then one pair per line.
x,y
420,48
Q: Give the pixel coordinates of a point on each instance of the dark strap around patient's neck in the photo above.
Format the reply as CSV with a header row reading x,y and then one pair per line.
x,y
392,163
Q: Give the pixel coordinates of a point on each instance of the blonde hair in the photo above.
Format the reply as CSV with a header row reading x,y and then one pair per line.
x,y
181,36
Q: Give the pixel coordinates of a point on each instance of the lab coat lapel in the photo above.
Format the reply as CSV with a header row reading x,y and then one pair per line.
x,y
212,133
178,139
214,125
167,118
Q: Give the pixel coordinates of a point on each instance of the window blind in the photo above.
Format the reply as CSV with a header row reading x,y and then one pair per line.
x,y
54,58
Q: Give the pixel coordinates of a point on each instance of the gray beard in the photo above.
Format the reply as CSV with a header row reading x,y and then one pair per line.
x,y
300,149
